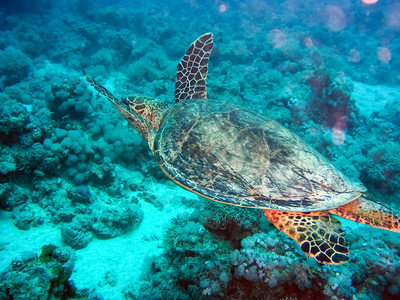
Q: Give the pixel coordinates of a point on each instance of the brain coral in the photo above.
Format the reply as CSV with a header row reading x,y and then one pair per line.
x,y
15,66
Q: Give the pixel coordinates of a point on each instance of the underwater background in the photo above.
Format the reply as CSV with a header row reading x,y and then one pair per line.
x,y
87,214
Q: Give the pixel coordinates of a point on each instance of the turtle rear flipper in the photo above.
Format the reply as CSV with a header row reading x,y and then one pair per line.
x,y
318,234
191,72
365,210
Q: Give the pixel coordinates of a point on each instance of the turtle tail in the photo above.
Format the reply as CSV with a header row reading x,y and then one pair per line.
x,y
365,210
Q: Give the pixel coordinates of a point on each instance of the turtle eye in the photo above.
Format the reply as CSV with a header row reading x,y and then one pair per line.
x,y
125,101
140,107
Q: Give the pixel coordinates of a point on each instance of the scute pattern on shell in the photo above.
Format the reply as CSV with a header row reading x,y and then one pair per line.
x,y
230,155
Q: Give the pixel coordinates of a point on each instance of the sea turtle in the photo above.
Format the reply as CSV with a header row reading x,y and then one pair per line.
x,y
231,155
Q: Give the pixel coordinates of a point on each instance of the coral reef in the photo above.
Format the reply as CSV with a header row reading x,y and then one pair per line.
x,y
13,117
109,221
200,264
75,235
68,160
15,66
196,271
80,194
27,216
12,195
40,277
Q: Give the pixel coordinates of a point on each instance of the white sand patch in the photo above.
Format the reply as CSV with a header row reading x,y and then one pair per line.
x,y
125,255
373,98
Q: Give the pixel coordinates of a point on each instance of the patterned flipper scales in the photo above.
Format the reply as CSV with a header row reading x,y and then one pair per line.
x,y
318,234
102,90
125,108
366,211
191,73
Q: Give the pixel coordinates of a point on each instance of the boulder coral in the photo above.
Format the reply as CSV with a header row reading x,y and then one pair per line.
x,y
15,66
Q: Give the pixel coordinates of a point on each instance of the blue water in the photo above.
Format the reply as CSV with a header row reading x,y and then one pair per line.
x,y
87,213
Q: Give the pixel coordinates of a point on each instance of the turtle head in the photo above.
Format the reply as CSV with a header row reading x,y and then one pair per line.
x,y
143,113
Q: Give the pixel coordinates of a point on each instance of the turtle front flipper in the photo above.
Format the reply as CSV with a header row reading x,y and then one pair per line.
x,y
102,90
365,210
317,233
191,72
126,108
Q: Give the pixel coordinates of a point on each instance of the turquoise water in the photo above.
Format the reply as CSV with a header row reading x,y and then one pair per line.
x,y
86,213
